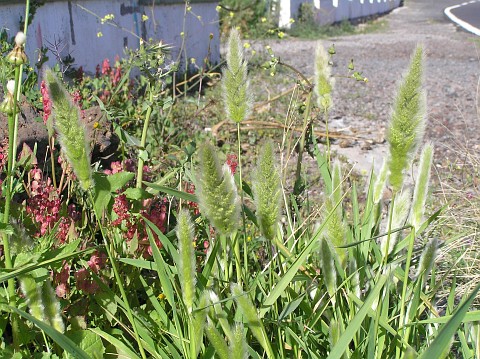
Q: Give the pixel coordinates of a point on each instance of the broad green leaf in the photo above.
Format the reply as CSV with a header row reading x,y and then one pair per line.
x,y
106,185
137,193
89,341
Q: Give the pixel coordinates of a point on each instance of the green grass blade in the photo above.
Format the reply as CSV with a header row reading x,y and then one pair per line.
x,y
356,322
290,273
115,342
436,349
62,340
173,192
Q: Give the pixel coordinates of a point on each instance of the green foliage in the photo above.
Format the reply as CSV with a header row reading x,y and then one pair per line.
x,y
334,278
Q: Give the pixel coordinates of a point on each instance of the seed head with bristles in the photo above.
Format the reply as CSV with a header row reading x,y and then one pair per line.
x,y
186,265
399,215
72,134
407,123
324,81
421,187
217,193
250,315
267,191
237,96
427,259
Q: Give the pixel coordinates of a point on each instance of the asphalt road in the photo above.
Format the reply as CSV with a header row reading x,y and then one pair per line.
x,y
466,15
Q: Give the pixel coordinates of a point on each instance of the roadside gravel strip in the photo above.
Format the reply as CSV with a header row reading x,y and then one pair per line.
x,y
363,109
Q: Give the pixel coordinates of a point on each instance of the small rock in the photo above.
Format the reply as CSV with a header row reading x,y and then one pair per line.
x,y
346,143
366,146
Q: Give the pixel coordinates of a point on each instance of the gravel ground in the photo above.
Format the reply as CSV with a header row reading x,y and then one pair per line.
x,y
361,109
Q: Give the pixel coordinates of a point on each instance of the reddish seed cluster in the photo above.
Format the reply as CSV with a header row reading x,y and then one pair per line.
x,y
44,203
83,279
135,226
232,162
66,223
47,103
3,153
190,188
60,280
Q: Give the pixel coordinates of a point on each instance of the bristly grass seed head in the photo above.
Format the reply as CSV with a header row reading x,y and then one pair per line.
x,y
250,315
237,96
186,265
267,191
324,81
238,345
72,133
399,215
421,187
407,123
427,259
217,192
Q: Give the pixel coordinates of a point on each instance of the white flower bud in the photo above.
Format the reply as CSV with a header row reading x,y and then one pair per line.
x,y
11,87
20,38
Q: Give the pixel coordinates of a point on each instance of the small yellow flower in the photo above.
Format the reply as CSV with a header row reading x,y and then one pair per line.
x,y
199,18
253,52
192,60
281,34
106,18
96,125
263,19
246,45
99,34
218,8
182,34
291,21
189,8
144,17
161,296
231,14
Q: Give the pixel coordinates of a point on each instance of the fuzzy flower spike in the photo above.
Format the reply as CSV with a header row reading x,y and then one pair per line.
x,y
324,81
267,191
217,193
72,134
407,124
237,97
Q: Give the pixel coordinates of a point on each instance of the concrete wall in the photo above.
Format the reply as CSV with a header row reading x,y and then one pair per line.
x,y
75,26
331,11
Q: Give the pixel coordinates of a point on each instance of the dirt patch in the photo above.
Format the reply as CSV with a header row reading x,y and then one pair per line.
x,y
363,109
